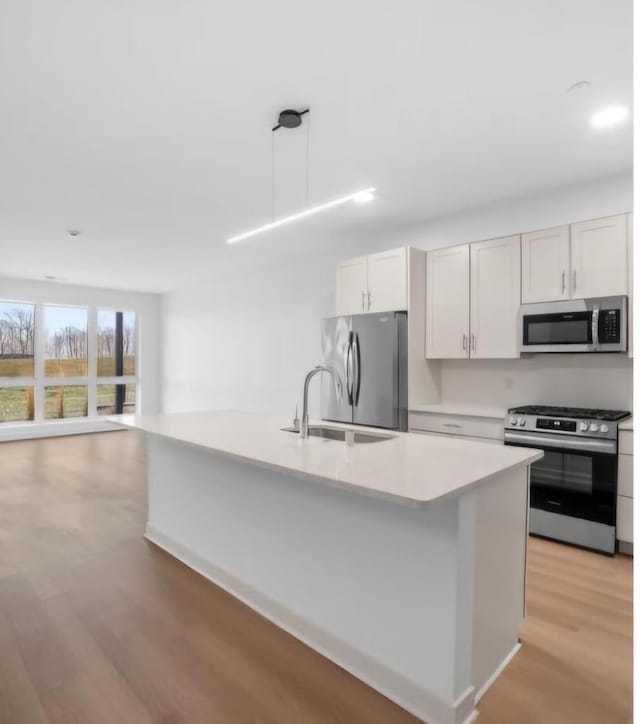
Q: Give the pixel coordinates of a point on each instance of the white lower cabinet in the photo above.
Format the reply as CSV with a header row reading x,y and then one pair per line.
x,y
624,521
465,426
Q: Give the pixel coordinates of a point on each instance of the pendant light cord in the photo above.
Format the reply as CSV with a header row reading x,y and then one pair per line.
x,y
308,137
273,177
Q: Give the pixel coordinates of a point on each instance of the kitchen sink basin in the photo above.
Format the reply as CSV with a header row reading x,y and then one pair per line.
x,y
340,433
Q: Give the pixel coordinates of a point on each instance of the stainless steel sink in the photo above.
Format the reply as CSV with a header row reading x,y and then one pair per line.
x,y
340,434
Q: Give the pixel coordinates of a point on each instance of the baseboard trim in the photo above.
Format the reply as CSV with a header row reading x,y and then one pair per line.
x,y
501,667
407,694
54,428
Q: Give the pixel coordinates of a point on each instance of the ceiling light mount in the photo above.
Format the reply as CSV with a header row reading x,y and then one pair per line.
x,y
289,119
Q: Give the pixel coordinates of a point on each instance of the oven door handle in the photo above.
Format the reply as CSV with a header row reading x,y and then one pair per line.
x,y
586,445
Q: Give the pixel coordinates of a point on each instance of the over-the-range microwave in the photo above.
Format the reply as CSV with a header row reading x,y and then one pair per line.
x,y
576,325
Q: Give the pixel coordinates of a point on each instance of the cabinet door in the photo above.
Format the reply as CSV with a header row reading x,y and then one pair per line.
x,y
447,334
624,530
495,298
387,276
545,265
599,257
351,286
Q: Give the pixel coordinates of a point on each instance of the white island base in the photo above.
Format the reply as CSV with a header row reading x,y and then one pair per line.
x,y
422,601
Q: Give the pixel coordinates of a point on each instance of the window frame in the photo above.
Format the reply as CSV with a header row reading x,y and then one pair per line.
x,y
40,381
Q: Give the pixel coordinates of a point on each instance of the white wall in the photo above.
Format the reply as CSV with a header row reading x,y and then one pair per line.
x,y
244,337
147,307
246,340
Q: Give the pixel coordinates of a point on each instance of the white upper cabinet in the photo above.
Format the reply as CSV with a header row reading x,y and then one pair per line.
x,y
351,286
387,272
447,334
599,257
374,283
495,298
546,265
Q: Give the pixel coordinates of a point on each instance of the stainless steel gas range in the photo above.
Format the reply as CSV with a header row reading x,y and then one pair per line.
x,y
574,486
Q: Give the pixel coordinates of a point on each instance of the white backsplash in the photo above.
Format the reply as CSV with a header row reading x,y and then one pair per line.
x,y
578,380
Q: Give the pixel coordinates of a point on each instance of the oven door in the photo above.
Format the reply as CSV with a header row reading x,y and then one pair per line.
x,y
576,477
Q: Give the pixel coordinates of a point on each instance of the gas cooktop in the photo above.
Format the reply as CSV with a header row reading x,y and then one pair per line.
x,y
570,412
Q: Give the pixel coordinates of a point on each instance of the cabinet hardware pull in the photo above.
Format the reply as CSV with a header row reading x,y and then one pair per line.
x,y
575,280
464,342
473,342
451,424
368,301
564,274
363,301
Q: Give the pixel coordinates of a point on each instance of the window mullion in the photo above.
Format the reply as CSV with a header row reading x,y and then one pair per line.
x,y
39,346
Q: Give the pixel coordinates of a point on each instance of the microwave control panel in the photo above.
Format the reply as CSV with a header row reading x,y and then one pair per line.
x,y
609,326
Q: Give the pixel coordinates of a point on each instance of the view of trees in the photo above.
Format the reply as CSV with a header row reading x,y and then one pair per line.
x,y
67,343
16,331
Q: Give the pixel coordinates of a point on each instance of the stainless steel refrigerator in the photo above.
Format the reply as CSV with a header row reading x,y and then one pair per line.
x,y
370,353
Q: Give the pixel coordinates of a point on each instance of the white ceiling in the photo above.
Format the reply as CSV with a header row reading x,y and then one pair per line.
x,y
147,124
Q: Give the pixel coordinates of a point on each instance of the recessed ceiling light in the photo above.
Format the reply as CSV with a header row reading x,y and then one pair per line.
x,y
361,196
609,116
50,277
74,232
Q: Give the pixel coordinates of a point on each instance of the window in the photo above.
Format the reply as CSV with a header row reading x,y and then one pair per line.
x,y
17,332
65,331
63,401
16,404
59,362
16,339
116,343
115,399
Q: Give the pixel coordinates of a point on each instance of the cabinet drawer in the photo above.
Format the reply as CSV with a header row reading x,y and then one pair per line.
x,y
625,519
625,442
457,425
625,475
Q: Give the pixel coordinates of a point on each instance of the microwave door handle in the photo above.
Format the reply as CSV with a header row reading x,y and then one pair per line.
x,y
594,325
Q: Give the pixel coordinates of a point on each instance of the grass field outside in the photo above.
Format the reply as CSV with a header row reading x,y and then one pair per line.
x,y
61,401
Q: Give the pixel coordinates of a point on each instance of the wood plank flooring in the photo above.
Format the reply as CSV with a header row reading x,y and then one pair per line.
x,y
99,626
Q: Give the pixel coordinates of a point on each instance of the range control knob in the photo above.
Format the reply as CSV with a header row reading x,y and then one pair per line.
x,y
512,421
583,427
604,428
593,427
522,422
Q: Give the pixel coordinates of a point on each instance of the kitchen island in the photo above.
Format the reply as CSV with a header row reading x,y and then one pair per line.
x,y
402,560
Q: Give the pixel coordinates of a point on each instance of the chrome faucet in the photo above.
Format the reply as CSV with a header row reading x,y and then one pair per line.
x,y
304,423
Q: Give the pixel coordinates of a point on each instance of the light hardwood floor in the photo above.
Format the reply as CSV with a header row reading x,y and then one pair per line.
x,y
99,626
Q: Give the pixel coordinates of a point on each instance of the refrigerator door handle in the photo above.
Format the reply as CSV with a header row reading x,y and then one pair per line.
x,y
348,365
355,393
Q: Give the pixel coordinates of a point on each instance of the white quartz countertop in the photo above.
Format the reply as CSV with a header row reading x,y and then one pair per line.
x,y
626,424
462,408
413,468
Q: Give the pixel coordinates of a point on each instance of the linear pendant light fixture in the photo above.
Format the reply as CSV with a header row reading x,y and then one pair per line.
x,y
292,119
360,197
